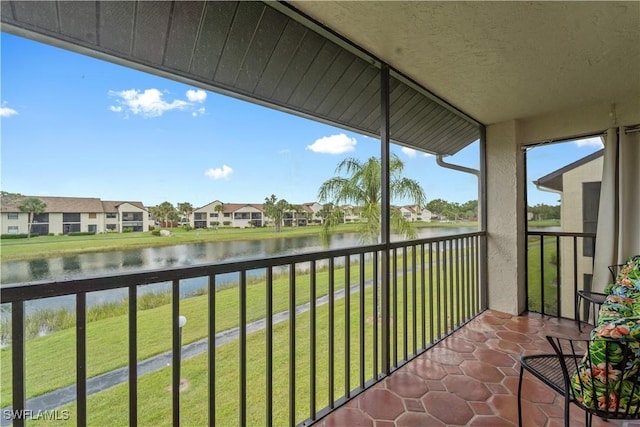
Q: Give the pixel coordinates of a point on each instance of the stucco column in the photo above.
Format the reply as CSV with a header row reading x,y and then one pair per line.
x,y
505,224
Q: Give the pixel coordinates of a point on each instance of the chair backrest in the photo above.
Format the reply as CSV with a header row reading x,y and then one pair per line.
x,y
604,379
615,270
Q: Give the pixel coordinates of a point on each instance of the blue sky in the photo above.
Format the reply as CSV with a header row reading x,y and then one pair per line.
x,y
81,127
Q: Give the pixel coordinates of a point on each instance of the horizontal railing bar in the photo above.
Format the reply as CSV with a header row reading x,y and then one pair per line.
x,y
46,289
416,242
559,234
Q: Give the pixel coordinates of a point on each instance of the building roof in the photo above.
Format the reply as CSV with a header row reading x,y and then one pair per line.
x,y
112,206
553,180
69,204
232,207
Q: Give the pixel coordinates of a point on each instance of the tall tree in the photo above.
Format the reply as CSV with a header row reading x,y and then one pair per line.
x,y
362,187
438,206
9,198
32,206
331,212
165,211
274,209
186,209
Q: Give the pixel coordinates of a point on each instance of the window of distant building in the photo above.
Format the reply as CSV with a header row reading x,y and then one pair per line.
x,y
590,203
12,215
41,218
71,217
227,215
112,215
213,215
111,226
12,229
92,216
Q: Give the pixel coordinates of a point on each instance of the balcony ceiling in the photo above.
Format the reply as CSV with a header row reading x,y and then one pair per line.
x,y
500,60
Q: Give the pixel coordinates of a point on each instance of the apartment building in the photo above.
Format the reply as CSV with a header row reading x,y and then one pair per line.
x,y
245,215
240,215
415,213
64,215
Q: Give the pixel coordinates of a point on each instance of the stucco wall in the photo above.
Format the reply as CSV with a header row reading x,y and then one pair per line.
x,y
22,223
505,222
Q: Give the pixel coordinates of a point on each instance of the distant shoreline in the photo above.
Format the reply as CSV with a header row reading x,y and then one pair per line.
x,y
50,246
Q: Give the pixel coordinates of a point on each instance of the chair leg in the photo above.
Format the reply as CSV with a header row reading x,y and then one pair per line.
x,y
578,315
519,398
566,411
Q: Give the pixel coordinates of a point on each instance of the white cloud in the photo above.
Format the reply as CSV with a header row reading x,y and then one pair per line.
x,y
152,102
196,95
198,112
410,152
334,144
6,111
595,141
219,173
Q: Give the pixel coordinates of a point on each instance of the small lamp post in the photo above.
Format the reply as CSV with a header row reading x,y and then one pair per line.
x,y
182,320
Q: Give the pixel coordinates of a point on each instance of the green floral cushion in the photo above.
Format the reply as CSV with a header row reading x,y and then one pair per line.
x,y
627,283
608,371
606,377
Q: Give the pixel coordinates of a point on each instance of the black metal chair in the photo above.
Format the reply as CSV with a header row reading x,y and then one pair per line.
x,y
613,399
594,299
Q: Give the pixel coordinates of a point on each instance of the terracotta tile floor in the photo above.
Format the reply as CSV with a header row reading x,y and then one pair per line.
x,y
470,378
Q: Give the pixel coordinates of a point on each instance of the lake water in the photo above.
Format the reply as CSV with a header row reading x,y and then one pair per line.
x,y
114,262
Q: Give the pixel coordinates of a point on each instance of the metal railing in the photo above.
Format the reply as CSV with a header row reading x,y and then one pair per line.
x,y
308,332
558,265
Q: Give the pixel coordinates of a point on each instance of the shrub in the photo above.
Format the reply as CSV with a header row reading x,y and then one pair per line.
x,y
155,232
127,230
187,227
82,233
17,236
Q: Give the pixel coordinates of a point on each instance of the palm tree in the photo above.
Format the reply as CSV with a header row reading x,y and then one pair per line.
x,y
275,209
362,187
186,209
219,209
32,206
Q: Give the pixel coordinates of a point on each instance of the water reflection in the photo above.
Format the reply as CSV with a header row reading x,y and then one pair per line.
x,y
76,266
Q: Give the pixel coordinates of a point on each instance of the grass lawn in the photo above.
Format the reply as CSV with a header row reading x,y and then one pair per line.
x,y
47,246
550,277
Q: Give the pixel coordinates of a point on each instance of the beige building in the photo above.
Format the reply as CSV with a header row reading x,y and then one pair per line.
x,y
414,213
64,215
240,215
578,185
312,209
